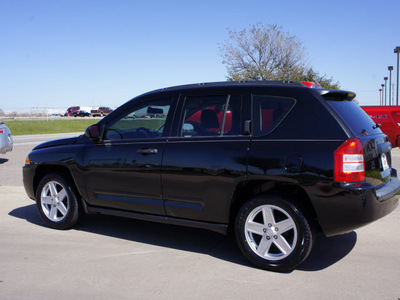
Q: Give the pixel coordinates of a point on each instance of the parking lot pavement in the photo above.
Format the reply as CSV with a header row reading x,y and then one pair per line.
x,y
114,258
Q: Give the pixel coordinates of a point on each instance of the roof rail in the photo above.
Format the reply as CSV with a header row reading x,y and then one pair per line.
x,y
238,83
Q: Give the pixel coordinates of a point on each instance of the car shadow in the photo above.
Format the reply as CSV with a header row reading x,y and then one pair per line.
x,y
3,160
329,250
326,252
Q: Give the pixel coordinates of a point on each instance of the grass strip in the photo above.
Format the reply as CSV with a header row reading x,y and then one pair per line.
x,y
27,127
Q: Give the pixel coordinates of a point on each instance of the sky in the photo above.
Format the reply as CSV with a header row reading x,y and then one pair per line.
x,y
62,53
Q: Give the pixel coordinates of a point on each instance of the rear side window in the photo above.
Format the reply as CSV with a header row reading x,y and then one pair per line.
x,y
268,112
358,120
211,116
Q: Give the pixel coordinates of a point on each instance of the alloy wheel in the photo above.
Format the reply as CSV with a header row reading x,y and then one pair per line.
x,y
270,232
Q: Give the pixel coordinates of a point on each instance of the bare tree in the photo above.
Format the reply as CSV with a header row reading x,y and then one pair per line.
x,y
263,53
268,53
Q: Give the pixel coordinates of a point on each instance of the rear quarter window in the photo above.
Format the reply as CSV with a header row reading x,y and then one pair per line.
x,y
355,118
268,112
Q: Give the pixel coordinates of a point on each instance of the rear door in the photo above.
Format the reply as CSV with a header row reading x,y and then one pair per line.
x,y
206,160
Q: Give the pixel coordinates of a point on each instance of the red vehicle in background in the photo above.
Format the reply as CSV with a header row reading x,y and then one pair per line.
x,y
71,111
80,111
101,111
389,118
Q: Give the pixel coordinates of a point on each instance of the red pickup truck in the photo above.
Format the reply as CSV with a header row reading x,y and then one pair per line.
x,y
101,111
389,118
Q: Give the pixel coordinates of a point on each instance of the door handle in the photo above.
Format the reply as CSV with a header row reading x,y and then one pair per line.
x,y
147,151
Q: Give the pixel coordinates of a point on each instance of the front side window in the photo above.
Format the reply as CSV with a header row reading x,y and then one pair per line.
x,y
268,112
144,121
211,116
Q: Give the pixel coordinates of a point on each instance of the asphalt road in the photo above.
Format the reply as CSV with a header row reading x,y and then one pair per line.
x,y
114,258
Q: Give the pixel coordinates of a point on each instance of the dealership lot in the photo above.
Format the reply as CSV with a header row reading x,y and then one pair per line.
x,y
107,257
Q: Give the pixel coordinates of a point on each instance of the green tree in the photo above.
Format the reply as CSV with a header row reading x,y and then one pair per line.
x,y
268,53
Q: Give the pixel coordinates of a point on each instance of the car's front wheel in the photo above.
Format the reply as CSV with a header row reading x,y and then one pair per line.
x,y
273,233
57,202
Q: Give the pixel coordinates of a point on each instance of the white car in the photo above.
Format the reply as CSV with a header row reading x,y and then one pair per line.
x,y
6,141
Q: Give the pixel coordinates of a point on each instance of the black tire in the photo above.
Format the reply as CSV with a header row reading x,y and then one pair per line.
x,y
273,234
57,202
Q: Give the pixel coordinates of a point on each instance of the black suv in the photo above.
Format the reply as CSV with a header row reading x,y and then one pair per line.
x,y
277,162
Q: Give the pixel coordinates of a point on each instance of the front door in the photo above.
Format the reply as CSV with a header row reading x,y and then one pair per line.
x,y
124,170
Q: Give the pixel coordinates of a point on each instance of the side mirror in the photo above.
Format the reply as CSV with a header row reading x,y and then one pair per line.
x,y
93,132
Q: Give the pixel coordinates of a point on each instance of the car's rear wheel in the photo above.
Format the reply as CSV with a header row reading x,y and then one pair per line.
x,y
57,202
273,233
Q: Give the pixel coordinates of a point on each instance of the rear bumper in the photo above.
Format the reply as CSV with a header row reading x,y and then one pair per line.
x,y
344,208
389,190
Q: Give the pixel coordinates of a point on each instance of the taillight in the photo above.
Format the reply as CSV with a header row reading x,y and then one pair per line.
x,y
349,162
1,131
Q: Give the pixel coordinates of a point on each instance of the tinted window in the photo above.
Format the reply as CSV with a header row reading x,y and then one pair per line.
x,y
211,116
358,121
143,121
268,112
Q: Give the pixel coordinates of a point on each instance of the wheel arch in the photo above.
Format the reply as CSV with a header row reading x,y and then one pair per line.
x,y
44,170
291,192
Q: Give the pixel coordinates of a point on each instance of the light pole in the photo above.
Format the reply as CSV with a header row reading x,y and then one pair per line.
x,y
382,85
385,78
380,97
390,68
397,50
